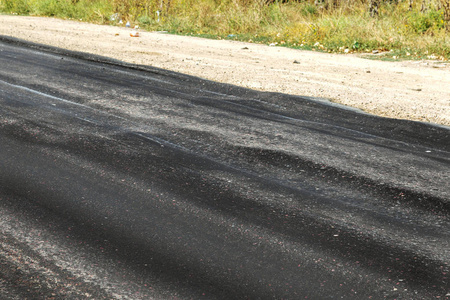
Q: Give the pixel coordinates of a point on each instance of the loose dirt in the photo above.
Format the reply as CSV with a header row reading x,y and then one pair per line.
x,y
413,90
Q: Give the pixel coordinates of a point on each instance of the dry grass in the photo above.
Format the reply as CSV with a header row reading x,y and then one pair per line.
x,y
408,30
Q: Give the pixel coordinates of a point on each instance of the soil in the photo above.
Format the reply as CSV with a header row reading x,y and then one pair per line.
x,y
413,90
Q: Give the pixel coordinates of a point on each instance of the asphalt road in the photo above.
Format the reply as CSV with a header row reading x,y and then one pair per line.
x,y
130,182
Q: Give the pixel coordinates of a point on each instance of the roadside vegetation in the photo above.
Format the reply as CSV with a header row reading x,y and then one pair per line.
x,y
402,29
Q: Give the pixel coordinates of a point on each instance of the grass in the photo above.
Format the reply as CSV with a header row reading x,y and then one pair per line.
x,y
403,32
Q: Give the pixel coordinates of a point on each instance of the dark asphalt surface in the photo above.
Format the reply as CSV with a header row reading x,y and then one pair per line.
x,y
131,182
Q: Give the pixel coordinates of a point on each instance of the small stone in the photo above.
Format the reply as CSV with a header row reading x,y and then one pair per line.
x,y
296,62
375,52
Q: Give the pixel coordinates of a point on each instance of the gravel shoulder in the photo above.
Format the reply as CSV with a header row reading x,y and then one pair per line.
x,y
413,90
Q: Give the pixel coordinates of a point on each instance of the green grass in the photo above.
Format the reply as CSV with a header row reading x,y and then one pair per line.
x,y
402,32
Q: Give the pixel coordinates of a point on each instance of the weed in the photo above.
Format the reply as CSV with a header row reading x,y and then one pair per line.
x,y
20,7
309,10
422,22
324,25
